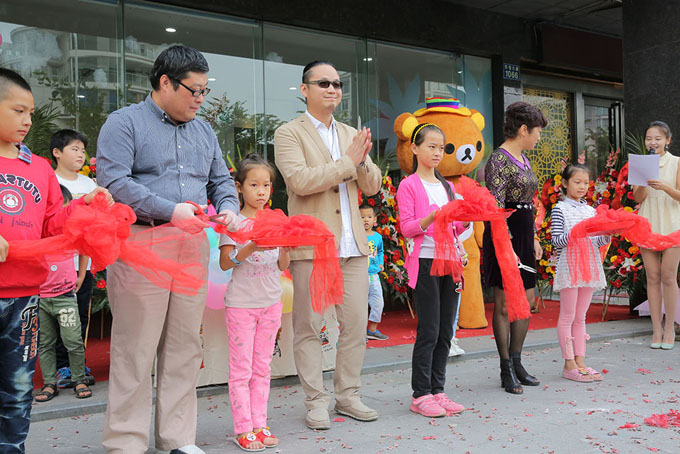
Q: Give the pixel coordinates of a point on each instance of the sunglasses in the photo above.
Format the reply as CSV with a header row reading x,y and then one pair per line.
x,y
194,93
326,83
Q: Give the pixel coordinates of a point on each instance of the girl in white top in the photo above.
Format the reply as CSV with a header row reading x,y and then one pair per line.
x,y
575,297
660,204
253,314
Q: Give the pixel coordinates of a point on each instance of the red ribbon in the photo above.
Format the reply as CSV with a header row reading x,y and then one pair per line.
x,y
272,228
480,205
612,222
102,232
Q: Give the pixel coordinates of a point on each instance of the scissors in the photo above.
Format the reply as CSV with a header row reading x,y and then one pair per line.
x,y
524,267
217,218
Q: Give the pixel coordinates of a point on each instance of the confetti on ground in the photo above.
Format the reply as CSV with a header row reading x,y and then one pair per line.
x,y
629,425
672,418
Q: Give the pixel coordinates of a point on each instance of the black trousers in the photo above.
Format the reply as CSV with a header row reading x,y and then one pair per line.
x,y
436,303
83,297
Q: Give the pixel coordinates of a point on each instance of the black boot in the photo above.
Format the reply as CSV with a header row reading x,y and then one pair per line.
x,y
509,380
521,372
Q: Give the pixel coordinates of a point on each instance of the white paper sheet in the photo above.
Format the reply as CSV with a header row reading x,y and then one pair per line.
x,y
642,168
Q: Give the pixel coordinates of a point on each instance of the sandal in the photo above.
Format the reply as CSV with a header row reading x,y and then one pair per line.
x,y
246,439
82,390
47,395
597,376
265,434
579,375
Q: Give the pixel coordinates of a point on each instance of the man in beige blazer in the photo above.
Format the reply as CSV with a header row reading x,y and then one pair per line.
x,y
324,163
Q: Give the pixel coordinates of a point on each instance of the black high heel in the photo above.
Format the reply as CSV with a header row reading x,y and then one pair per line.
x,y
524,377
509,380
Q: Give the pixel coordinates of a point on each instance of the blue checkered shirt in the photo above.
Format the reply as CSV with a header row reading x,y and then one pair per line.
x,y
151,164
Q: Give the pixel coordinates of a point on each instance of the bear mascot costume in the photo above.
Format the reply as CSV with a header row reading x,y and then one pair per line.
x,y
464,150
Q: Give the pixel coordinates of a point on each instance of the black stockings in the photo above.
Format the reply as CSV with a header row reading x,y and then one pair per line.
x,y
509,336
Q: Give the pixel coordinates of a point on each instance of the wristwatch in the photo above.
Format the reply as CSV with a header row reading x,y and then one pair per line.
x,y
232,257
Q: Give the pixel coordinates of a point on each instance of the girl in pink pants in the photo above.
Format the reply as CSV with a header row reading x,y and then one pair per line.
x,y
575,297
253,314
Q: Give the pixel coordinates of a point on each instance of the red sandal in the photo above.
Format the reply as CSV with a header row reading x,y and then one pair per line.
x,y
244,440
265,434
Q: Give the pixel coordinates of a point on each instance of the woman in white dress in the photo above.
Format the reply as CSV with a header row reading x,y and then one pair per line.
x,y
660,204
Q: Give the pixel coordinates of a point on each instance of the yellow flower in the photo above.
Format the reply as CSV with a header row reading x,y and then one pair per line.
x,y
400,242
628,209
391,218
544,224
612,258
85,170
400,262
549,269
558,179
594,198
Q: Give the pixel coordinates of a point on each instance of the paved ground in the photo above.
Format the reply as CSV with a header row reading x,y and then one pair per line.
x,y
557,417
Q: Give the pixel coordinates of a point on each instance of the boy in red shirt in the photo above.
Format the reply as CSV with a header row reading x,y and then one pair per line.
x,y
30,208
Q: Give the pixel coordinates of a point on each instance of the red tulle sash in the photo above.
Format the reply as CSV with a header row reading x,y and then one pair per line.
x,y
272,228
480,205
102,232
612,222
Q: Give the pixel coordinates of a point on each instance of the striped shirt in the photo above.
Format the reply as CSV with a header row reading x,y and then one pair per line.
x,y
151,164
565,215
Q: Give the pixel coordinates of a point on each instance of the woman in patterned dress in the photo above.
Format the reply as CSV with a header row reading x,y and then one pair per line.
x,y
511,180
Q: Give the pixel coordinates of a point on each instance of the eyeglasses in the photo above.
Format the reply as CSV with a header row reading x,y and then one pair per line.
x,y
194,93
337,84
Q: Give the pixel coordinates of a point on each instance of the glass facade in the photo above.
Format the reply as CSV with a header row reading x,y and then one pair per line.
x,y
87,59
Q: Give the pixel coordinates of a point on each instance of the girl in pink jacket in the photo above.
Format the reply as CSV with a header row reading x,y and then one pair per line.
x,y
436,298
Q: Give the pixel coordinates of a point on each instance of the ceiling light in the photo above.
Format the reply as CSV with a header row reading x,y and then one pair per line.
x,y
170,30
292,88
368,58
81,96
211,79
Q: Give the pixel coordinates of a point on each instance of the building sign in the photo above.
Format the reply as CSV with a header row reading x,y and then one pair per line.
x,y
510,72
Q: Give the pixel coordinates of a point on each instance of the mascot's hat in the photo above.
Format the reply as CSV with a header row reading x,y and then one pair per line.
x,y
447,105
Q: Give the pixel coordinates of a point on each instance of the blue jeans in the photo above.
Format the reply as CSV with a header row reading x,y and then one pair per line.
x,y
375,298
18,353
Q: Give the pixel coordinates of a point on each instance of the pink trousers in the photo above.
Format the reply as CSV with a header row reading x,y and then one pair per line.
x,y
252,334
571,325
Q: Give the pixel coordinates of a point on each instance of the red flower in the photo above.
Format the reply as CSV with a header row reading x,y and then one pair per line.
x,y
371,202
390,280
617,283
101,283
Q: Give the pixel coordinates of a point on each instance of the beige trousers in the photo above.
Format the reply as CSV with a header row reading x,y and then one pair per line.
x,y
150,321
352,317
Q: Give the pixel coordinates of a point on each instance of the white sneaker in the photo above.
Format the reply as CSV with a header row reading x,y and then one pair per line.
x,y
455,350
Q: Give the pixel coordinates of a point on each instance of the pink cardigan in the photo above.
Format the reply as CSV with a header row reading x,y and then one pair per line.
x,y
414,205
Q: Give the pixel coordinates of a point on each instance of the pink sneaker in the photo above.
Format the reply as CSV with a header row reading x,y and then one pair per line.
x,y
427,406
447,404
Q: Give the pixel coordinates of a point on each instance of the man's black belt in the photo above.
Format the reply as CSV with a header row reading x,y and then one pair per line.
x,y
152,223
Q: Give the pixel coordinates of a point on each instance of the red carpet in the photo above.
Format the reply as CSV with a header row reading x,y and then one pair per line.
x,y
399,326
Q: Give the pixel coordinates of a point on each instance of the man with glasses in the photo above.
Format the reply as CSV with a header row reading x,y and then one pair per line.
x,y
154,156
324,163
